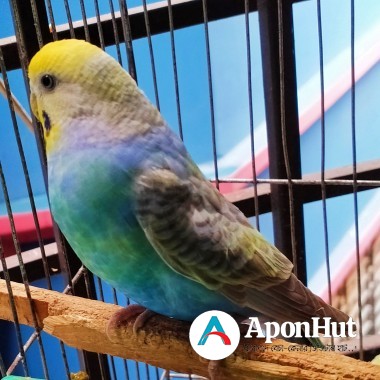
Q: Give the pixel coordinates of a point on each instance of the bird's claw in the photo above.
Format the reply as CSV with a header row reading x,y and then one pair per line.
x,y
123,316
141,320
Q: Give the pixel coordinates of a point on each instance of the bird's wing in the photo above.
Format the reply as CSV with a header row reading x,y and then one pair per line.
x,y
199,234
202,236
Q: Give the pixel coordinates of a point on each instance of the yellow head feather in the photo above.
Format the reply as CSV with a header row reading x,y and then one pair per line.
x,y
87,83
55,56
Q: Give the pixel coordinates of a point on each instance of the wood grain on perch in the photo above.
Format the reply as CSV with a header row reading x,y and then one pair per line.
x,y
163,342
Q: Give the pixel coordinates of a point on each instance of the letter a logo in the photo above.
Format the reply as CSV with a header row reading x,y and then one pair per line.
x,y
214,323
214,335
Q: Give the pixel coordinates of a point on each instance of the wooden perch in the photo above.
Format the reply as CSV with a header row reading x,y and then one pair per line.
x,y
164,342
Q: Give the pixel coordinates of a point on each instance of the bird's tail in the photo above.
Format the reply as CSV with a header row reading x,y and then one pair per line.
x,y
304,303
292,301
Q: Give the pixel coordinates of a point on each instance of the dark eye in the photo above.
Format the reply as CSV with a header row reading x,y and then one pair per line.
x,y
48,81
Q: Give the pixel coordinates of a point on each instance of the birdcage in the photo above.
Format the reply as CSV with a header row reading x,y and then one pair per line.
x,y
276,100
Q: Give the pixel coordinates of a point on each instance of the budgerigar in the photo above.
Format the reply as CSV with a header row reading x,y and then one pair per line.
x,y
138,211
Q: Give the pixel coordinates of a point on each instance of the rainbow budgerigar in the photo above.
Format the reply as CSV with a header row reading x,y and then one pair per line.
x,y
137,210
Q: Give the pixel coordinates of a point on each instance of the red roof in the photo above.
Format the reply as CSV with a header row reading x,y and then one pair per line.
x,y
25,229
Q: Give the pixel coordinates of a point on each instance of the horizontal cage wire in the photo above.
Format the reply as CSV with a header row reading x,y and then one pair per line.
x,y
276,103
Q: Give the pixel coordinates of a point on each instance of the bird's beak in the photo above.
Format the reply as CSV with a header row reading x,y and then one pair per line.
x,y
33,105
36,112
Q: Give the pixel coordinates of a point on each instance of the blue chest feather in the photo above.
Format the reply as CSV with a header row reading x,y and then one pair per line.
x,y
91,194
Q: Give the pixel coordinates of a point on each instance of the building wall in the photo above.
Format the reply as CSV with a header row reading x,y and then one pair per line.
x,y
346,298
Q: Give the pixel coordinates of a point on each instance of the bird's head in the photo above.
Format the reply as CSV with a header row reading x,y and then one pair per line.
x,y
80,92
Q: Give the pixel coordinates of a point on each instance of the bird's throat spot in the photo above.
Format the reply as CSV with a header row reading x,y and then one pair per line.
x,y
47,124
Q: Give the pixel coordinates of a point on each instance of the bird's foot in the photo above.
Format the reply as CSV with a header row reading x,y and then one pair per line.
x,y
122,317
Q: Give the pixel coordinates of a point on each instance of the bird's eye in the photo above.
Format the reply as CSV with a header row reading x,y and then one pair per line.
x,y
48,81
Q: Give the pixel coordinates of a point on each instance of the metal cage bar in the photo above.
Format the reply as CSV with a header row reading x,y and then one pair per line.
x,y
280,89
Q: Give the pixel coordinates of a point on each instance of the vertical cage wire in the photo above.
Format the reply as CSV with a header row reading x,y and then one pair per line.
x,y
52,20
284,139
85,25
115,31
354,177
99,25
22,29
175,71
101,298
37,25
102,363
116,302
128,38
211,92
151,54
250,109
69,18
323,154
